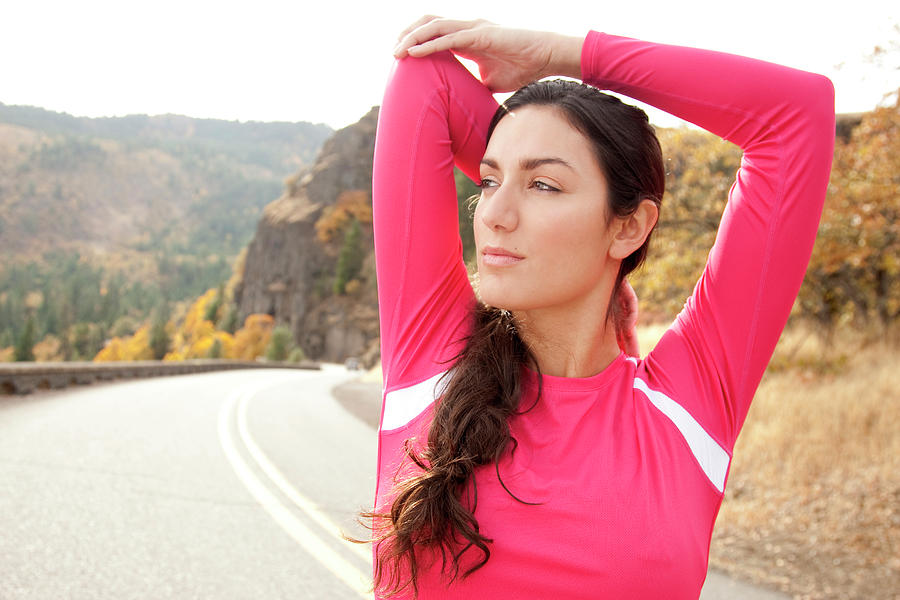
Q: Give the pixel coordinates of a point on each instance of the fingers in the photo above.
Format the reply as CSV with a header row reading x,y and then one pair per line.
x,y
430,30
421,31
421,21
445,42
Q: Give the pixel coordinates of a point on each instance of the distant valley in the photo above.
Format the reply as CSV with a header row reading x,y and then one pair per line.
x,y
157,207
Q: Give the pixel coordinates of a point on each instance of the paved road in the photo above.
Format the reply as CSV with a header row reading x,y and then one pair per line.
x,y
150,489
220,485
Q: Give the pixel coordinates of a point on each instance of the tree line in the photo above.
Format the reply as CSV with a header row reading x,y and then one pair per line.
x,y
62,308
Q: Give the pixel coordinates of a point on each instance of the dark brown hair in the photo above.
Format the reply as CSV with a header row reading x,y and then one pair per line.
x,y
429,515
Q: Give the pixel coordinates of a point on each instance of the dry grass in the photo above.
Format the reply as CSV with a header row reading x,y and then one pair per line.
x,y
813,500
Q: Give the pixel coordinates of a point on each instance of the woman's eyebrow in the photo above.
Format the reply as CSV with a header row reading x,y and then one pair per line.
x,y
529,164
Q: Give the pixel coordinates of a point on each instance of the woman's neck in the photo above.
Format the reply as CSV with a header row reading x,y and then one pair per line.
x,y
569,342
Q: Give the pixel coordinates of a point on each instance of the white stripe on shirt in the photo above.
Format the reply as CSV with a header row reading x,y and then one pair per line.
x,y
405,404
712,457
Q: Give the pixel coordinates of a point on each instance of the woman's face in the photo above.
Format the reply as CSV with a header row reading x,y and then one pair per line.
x,y
541,223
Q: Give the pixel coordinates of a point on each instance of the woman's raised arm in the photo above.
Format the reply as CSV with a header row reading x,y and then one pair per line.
x,y
713,357
434,113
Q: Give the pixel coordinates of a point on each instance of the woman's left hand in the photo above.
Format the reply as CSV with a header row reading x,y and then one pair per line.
x,y
507,58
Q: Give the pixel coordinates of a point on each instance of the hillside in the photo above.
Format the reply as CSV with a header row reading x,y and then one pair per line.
x,y
140,184
104,220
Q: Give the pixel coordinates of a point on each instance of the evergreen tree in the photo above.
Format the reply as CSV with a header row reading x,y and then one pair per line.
x,y
212,311
25,343
280,344
159,337
216,351
85,340
230,322
350,260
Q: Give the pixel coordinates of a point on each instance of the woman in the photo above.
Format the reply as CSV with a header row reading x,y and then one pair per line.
x,y
522,454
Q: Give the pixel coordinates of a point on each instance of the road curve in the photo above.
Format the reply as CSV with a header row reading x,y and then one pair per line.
x,y
149,489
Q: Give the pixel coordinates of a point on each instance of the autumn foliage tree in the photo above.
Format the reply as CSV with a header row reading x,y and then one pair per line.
x,y
252,339
700,169
193,336
854,274
135,347
351,206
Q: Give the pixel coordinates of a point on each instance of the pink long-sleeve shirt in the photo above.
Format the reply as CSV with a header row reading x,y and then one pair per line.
x,y
627,467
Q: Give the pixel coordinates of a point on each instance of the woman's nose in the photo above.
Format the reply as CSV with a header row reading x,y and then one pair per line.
x,y
500,210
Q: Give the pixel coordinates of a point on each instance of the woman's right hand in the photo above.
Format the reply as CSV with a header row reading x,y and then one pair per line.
x,y
507,58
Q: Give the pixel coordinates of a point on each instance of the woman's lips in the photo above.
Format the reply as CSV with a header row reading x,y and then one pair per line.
x,y
493,256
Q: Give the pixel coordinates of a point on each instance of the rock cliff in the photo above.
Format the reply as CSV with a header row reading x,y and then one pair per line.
x,y
291,265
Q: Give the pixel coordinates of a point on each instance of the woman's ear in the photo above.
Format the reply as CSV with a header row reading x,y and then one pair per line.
x,y
633,230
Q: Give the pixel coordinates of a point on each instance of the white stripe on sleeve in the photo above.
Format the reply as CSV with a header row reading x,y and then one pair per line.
x,y
712,457
405,404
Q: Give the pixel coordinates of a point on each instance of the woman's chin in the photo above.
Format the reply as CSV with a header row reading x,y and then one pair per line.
x,y
500,297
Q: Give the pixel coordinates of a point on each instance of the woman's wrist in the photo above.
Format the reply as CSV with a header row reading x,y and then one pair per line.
x,y
565,56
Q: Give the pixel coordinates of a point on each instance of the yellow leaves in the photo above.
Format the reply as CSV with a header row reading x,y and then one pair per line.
x,y
353,286
351,203
196,337
195,323
113,351
48,349
203,347
251,340
700,169
854,263
136,347
854,273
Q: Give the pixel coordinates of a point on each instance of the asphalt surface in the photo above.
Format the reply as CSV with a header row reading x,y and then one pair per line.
x,y
222,485
148,489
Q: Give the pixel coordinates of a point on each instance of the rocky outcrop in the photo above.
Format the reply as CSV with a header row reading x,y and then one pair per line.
x,y
291,263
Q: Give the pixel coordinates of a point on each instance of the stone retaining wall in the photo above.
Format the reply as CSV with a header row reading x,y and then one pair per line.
x,y
25,377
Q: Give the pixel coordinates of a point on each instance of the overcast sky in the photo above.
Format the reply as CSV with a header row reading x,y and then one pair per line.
x,y
326,61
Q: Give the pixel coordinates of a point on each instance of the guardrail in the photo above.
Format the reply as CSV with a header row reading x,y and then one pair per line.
x,y
25,377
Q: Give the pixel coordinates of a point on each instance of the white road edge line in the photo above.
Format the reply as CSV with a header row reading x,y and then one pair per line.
x,y
303,535
303,503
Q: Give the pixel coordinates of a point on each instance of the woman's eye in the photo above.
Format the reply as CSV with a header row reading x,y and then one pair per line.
x,y
546,187
487,183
